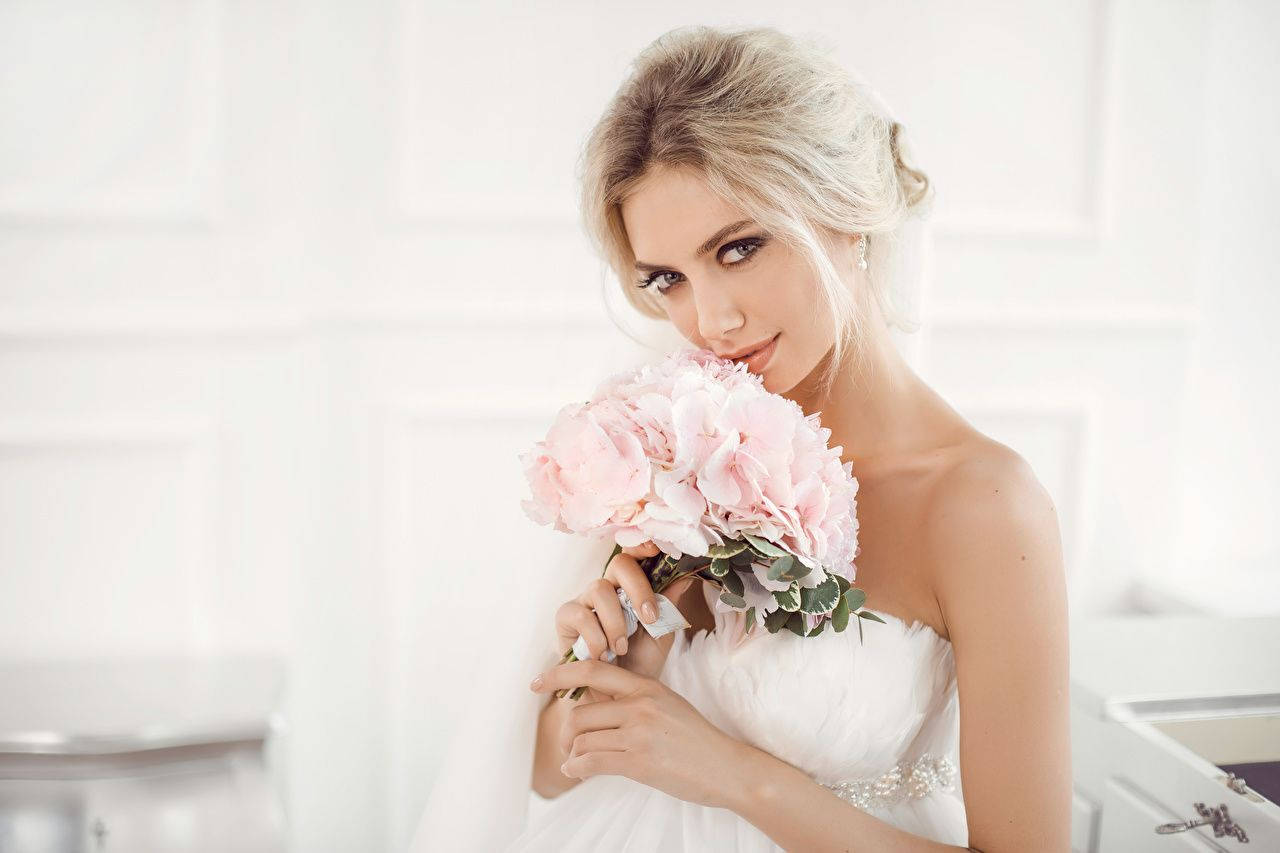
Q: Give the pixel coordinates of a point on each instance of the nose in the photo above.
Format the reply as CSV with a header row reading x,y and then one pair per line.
x,y
718,314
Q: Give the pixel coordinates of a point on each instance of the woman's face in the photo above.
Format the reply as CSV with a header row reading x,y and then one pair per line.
x,y
739,290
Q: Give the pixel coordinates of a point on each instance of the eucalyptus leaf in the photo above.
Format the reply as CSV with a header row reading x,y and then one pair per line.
x,y
867,614
733,600
856,598
780,567
728,549
795,624
764,546
840,616
617,549
817,629
688,563
774,620
797,571
720,566
844,583
820,598
788,599
733,582
751,618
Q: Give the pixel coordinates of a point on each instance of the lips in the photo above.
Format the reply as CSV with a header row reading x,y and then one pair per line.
x,y
758,360
746,353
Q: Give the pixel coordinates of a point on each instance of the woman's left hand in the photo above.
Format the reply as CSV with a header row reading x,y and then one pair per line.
x,y
645,731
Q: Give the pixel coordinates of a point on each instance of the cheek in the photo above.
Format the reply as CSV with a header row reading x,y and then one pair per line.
x,y
685,319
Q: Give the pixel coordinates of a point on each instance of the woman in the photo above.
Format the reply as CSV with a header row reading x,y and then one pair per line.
x,y
745,188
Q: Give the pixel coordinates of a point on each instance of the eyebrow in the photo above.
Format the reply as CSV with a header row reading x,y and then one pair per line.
x,y
709,244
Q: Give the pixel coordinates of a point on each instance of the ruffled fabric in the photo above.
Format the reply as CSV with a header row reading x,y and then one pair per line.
x,y
837,708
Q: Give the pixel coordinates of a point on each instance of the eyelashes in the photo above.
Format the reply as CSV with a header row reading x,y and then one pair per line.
x,y
753,244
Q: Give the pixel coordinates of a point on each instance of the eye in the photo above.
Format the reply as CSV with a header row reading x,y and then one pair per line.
x,y
746,247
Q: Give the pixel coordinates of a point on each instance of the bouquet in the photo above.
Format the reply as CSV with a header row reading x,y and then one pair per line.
x,y
731,482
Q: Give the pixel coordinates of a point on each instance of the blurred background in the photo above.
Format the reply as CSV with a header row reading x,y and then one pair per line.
x,y
285,286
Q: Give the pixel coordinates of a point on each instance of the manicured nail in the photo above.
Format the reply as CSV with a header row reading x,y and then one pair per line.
x,y
536,683
622,645
648,612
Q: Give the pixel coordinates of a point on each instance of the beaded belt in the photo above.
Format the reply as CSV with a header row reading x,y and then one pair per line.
x,y
907,780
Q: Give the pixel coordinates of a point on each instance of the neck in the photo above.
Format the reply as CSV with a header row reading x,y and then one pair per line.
x,y
879,409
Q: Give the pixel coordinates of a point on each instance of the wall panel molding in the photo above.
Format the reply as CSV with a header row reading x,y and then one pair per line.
x,y
192,199
195,440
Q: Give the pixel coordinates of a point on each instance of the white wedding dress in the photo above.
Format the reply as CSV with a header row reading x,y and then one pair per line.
x,y
876,721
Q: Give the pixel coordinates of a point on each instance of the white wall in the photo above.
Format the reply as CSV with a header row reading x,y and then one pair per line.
x,y
1227,539
270,272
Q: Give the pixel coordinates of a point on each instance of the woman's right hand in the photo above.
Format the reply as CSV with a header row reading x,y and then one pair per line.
x,y
597,615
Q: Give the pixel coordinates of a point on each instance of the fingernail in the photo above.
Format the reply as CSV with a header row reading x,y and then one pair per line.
x,y
622,645
648,612
536,683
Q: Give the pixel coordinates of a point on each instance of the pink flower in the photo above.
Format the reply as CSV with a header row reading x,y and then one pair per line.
x,y
689,453
587,472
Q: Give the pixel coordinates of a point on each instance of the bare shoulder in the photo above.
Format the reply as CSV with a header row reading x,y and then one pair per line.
x,y
985,477
991,533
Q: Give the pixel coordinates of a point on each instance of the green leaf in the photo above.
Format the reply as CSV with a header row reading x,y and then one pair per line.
x,y
856,598
817,629
844,584
820,598
617,549
727,550
780,567
688,563
840,616
795,624
733,600
797,571
788,599
867,614
775,619
720,567
733,582
764,546
751,618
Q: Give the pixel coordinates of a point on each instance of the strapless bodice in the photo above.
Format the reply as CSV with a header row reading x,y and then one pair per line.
x,y
839,707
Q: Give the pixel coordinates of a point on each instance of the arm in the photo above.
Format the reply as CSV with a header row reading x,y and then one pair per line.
x,y
995,557
995,562
787,805
549,754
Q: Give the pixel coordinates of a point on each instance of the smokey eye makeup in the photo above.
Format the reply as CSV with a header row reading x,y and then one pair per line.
x,y
748,246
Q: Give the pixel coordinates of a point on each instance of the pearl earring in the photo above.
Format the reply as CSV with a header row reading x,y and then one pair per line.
x,y
862,252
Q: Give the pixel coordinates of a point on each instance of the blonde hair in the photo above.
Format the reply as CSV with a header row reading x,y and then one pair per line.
x,y
778,130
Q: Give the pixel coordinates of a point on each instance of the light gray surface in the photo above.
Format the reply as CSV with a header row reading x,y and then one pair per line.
x,y
1166,667
90,707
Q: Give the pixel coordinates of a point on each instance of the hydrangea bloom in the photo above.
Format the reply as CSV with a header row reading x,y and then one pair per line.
x,y
690,453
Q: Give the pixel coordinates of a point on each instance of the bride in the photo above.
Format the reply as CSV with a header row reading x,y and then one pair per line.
x,y
746,188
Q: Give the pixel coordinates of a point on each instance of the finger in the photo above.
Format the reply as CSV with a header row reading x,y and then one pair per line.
x,y
626,573
616,762
610,715
580,618
597,740
608,609
613,681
